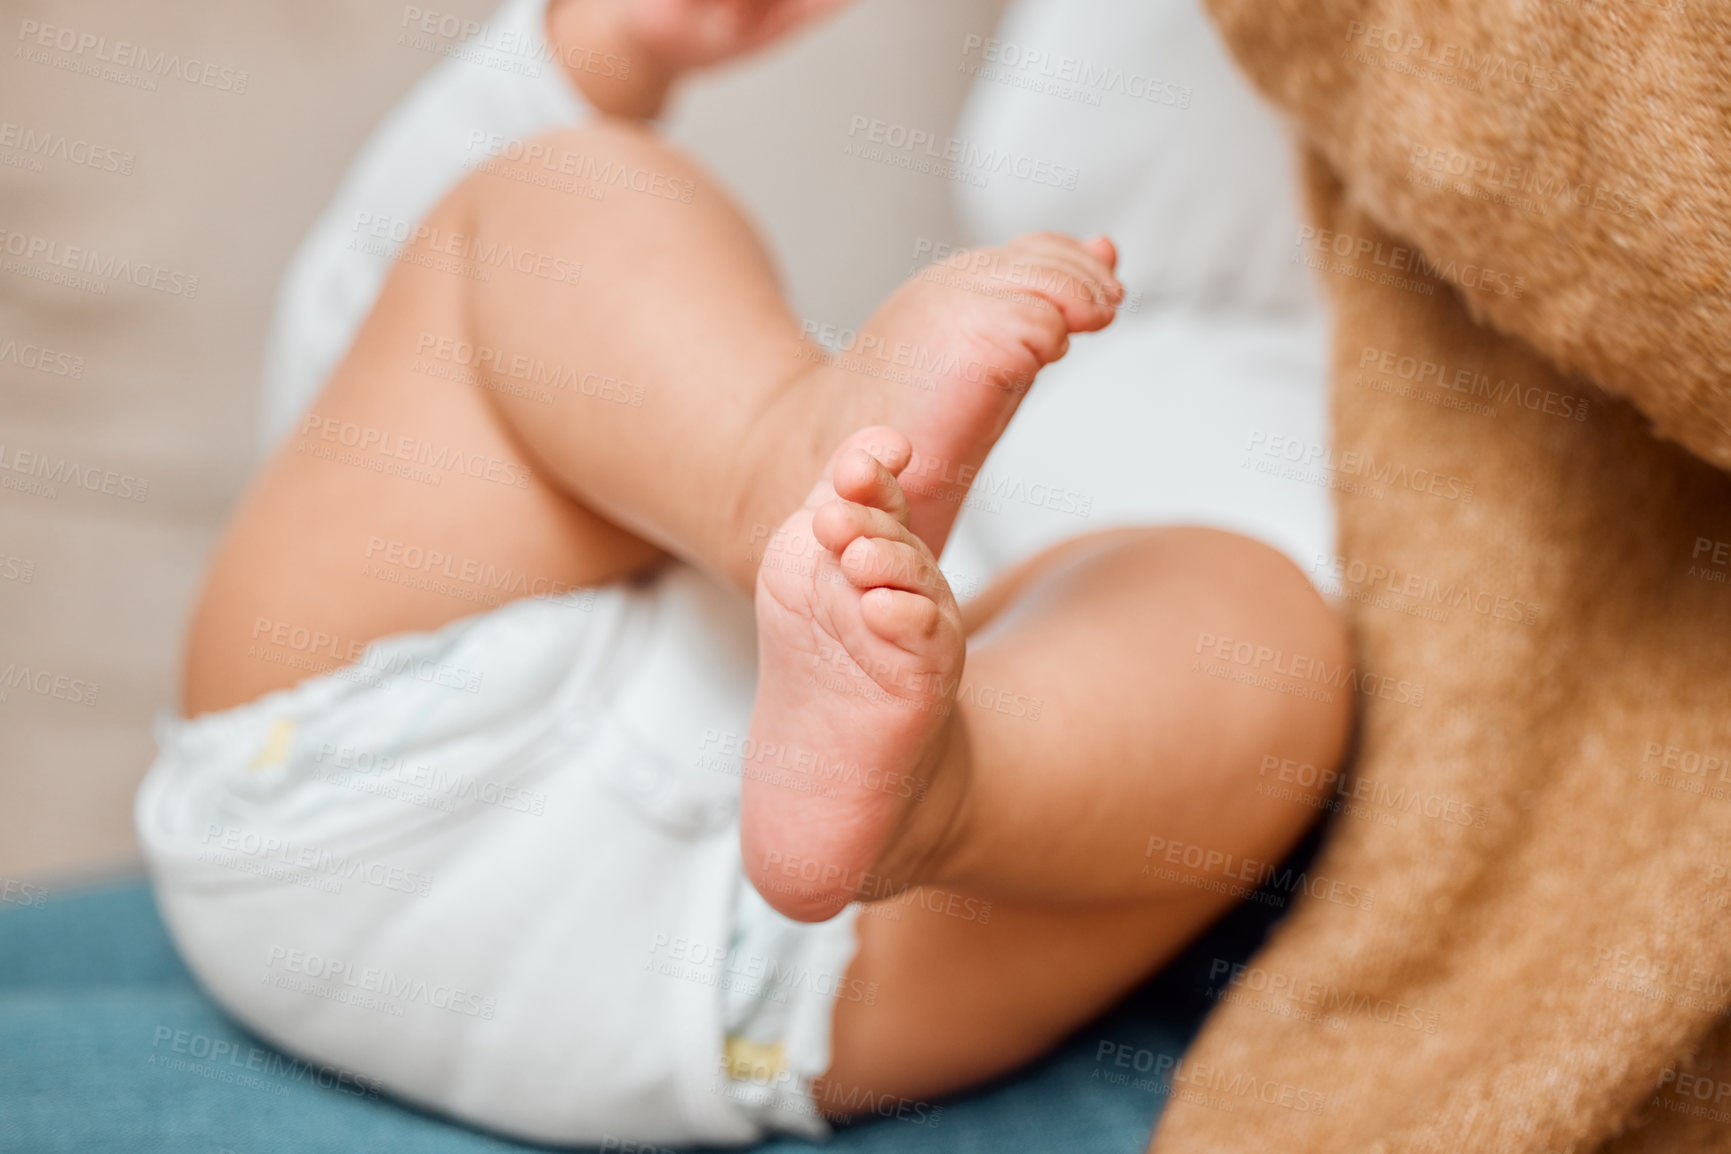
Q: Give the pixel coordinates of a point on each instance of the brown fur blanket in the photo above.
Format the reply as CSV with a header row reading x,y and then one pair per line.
x,y
1522,213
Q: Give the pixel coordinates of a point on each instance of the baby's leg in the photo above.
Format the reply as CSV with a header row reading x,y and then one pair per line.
x,y
1096,724
1136,745
410,496
552,388
739,417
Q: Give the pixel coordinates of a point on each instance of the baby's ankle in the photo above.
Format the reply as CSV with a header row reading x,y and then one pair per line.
x,y
779,455
921,849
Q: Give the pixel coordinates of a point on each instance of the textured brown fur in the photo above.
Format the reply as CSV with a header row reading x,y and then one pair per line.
x,y
1572,951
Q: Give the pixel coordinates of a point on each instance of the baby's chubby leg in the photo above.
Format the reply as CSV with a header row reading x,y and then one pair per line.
x,y
1022,867
582,359
405,498
1071,843
740,412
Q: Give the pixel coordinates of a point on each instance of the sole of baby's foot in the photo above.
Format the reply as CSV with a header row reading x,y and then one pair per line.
x,y
860,648
950,355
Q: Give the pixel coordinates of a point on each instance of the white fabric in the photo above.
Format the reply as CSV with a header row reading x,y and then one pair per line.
x,y
1166,416
496,868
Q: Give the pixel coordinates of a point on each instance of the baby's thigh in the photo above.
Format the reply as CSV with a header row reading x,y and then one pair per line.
x,y
648,293
1135,684
401,502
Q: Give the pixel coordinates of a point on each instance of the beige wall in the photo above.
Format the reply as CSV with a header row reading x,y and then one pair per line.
x,y
221,185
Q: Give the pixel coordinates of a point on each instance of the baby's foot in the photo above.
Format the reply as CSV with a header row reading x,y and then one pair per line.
x,y
953,351
860,647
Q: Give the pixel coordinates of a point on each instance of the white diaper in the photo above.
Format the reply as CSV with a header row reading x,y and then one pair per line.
x,y
496,869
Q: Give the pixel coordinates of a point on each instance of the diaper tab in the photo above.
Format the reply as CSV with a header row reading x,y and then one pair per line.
x,y
748,1061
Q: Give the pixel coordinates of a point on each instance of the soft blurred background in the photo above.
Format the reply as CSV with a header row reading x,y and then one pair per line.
x,y
220,185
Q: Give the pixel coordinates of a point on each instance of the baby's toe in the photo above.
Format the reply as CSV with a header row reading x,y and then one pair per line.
x,y
888,445
878,562
860,477
837,524
1074,278
906,620
1104,250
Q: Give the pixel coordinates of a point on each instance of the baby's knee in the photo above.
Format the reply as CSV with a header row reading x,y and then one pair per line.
x,y
1280,634
608,163
1263,575
602,194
